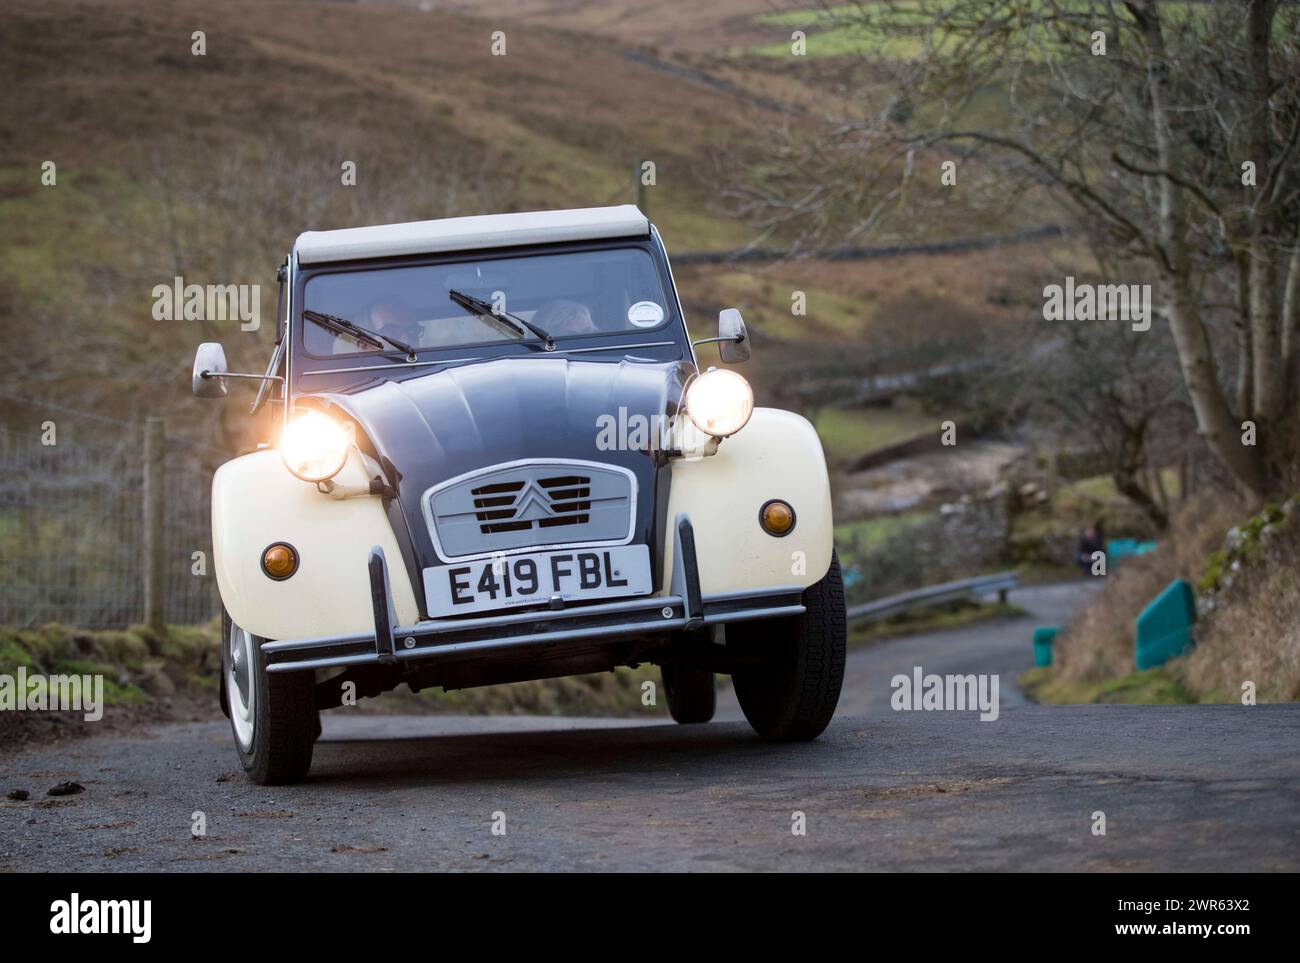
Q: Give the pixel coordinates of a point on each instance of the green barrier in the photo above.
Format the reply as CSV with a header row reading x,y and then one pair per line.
x,y
1164,629
1044,636
1118,549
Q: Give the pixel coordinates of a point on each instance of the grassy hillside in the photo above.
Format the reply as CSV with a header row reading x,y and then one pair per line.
x,y
206,167
209,165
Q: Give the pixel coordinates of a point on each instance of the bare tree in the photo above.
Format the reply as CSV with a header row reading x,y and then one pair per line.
x,y
1169,130
1114,390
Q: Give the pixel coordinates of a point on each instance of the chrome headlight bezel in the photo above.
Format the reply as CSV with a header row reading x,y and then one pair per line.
x,y
719,402
314,446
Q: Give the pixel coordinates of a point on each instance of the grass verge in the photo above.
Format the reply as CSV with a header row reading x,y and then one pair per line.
x,y
173,676
1150,687
138,664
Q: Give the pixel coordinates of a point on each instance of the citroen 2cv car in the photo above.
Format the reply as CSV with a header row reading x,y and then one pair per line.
x,y
499,459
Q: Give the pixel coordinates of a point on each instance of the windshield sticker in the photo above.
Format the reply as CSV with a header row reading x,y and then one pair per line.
x,y
645,314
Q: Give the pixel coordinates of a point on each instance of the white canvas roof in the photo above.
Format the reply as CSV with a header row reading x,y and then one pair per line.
x,y
470,233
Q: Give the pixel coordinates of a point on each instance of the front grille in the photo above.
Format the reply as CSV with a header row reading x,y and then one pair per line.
x,y
498,505
526,504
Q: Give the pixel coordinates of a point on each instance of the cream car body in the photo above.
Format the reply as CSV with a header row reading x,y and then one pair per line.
x,y
445,508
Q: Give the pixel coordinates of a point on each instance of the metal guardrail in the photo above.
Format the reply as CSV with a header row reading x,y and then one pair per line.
x,y
1000,582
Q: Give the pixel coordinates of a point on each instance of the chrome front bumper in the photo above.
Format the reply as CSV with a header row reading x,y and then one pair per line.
x,y
446,640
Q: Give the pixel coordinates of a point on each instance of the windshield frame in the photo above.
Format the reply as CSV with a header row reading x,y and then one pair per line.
x,y
313,373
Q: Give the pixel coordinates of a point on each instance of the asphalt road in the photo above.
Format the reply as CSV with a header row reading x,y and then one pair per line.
x,y
999,647
1182,788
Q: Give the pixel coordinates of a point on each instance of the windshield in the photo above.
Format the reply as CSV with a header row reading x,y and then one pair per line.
x,y
570,295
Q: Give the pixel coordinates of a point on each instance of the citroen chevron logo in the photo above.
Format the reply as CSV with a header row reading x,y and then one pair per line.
x,y
532,504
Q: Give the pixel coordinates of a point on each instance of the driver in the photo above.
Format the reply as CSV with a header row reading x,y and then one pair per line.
x,y
394,318
562,317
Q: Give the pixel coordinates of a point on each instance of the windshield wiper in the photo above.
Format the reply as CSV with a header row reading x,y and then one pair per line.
x,y
356,331
485,310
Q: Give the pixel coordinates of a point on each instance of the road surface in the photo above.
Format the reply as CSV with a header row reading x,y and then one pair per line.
x,y
1181,787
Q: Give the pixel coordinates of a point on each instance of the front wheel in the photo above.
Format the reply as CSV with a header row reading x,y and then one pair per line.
x,y
273,716
792,694
691,694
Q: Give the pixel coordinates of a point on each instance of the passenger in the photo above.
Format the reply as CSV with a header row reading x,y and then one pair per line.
x,y
561,318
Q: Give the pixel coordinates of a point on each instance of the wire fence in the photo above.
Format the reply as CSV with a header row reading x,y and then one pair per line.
x,y
72,545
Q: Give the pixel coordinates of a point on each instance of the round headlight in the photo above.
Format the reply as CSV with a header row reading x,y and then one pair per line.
x,y
719,402
314,446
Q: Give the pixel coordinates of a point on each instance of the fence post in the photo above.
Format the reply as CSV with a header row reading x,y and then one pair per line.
x,y
154,561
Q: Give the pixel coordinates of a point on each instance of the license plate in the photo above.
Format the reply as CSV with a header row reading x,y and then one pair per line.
x,y
508,581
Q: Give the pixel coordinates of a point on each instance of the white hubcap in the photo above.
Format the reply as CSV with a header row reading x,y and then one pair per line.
x,y
241,686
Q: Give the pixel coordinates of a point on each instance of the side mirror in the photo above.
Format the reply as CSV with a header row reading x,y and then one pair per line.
x,y
209,363
733,339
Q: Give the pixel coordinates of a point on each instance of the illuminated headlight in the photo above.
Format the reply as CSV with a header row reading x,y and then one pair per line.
x,y
719,402
315,446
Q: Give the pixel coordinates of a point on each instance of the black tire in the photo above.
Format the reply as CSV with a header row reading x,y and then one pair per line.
x,y
691,694
285,718
792,696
